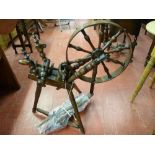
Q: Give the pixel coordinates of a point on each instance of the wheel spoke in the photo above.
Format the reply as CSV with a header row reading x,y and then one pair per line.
x,y
112,50
124,38
111,40
119,48
85,59
87,38
101,36
106,70
116,61
93,79
80,62
78,48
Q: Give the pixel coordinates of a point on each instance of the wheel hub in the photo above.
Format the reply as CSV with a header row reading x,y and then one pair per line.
x,y
98,52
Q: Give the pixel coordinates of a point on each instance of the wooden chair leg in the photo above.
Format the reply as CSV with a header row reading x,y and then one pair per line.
x,y
149,53
77,115
144,75
153,81
20,37
12,43
37,95
153,133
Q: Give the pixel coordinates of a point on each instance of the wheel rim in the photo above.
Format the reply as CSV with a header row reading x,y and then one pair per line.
x,y
127,52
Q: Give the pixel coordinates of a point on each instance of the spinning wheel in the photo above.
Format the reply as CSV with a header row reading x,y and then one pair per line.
x,y
106,53
104,38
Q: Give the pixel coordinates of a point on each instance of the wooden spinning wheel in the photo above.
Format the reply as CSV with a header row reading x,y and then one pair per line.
x,y
106,52
108,39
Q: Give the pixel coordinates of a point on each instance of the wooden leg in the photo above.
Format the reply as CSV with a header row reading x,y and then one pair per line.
x,y
37,27
134,43
26,34
77,115
150,51
20,37
93,80
143,77
153,81
12,42
37,95
77,88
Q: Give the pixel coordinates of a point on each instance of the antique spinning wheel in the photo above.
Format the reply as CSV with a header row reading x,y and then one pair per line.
x,y
96,52
98,38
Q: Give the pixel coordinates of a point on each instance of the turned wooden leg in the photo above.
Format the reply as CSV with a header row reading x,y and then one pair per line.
x,y
153,81
150,50
26,34
93,80
77,115
20,37
144,75
12,43
37,95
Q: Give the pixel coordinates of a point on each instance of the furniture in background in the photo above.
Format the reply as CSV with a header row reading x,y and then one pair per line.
x,y
144,22
25,28
5,39
19,34
41,23
22,29
150,50
133,27
13,24
4,36
7,78
62,23
151,29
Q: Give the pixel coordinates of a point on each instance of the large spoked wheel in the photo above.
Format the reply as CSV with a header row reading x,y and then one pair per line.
x,y
95,39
